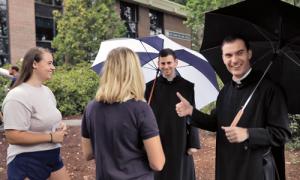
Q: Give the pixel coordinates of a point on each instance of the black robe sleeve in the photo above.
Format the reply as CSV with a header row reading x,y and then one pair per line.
x,y
193,140
204,121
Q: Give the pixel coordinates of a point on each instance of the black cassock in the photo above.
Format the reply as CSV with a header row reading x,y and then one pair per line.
x,y
266,118
176,135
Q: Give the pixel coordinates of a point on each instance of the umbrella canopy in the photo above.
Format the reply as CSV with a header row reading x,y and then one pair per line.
x,y
133,44
273,29
191,64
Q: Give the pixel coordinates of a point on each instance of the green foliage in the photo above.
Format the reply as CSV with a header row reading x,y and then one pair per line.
x,y
207,109
82,26
73,87
4,82
295,129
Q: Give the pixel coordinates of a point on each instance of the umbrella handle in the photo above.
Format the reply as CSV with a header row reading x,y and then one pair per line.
x,y
241,111
151,93
152,88
237,118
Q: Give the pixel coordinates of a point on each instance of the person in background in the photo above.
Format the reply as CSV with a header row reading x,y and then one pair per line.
x,y
14,72
118,128
33,125
246,150
179,139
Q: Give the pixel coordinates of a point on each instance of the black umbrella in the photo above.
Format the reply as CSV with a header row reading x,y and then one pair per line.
x,y
273,29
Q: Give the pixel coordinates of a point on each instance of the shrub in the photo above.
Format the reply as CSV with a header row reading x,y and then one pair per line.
x,y
73,87
295,129
4,82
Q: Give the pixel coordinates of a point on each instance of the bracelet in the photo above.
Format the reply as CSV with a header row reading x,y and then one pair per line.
x,y
51,141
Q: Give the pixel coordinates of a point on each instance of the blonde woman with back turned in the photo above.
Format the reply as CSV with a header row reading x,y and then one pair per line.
x,y
119,129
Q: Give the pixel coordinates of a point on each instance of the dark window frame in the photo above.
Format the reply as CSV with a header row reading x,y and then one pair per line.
x,y
44,14
153,27
134,20
53,3
53,28
46,43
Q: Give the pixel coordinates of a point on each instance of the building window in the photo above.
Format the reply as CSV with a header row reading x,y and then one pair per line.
x,y
129,15
44,29
4,52
156,22
50,2
57,2
44,23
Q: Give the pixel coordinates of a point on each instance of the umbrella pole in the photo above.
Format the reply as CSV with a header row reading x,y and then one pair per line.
x,y
153,86
241,111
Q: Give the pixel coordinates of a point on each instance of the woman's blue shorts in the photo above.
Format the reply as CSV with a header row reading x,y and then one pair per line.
x,y
34,165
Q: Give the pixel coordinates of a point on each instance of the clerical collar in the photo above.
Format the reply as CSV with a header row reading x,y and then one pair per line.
x,y
165,80
239,81
170,78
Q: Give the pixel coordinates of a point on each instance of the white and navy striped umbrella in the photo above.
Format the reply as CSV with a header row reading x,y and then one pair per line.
x,y
191,64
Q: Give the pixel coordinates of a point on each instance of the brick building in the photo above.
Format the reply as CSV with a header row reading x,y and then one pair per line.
x,y
24,24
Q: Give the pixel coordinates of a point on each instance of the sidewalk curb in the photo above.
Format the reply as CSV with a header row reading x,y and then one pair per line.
x,y
73,122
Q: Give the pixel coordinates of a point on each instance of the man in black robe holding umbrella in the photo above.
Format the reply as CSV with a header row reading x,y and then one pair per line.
x,y
243,148
179,140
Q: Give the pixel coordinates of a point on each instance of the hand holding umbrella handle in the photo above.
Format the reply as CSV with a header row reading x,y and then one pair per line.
x,y
237,118
241,111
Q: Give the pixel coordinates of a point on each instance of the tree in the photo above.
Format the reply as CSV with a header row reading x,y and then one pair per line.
x,y
195,16
81,26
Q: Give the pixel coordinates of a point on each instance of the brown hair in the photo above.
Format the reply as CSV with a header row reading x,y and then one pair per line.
x,y
16,68
32,55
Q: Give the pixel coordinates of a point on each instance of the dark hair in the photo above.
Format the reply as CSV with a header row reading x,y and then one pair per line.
x,y
16,68
32,55
166,52
233,37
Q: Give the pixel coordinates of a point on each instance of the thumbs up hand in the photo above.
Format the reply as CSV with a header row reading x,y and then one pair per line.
x,y
184,108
